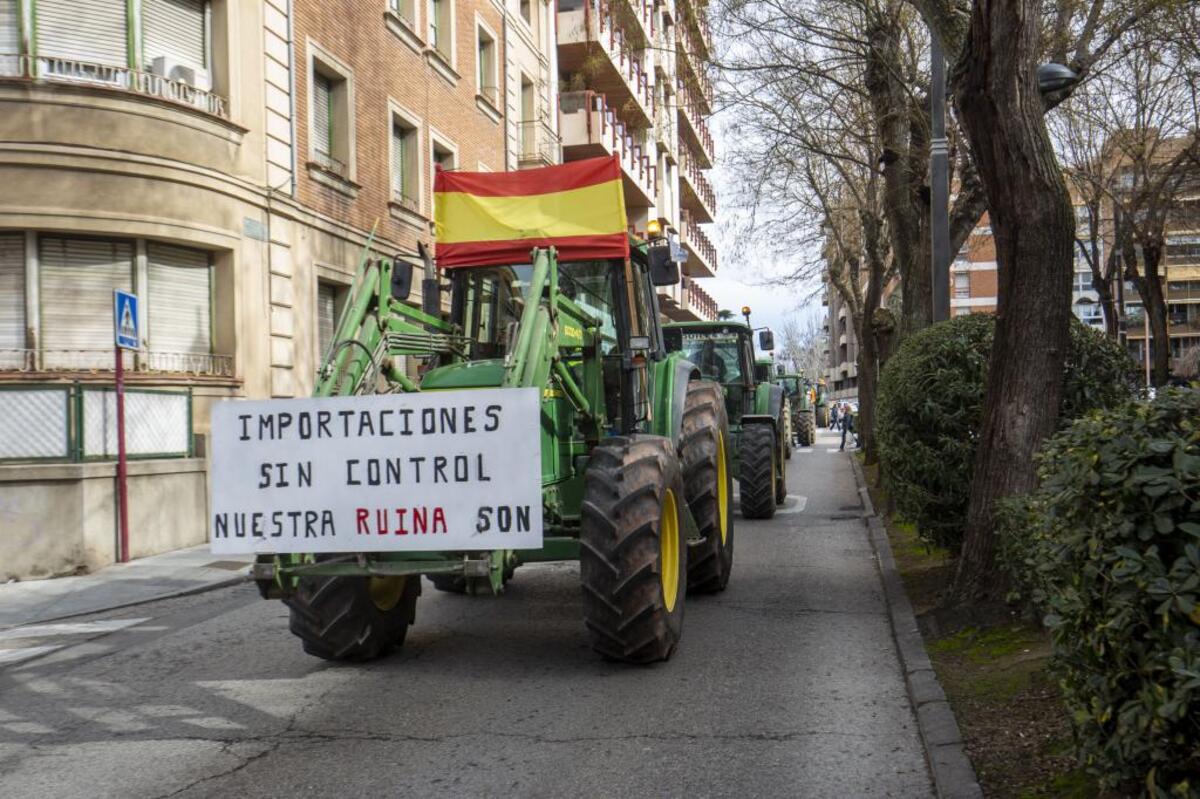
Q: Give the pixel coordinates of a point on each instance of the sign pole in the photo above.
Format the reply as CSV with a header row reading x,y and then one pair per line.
x,y
122,476
125,337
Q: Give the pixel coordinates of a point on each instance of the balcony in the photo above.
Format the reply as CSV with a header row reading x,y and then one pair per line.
x,y
539,144
692,71
590,128
695,192
695,23
692,127
687,302
638,16
702,255
121,79
590,44
666,131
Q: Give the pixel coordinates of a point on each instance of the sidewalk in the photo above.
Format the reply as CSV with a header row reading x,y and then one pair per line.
x,y
184,571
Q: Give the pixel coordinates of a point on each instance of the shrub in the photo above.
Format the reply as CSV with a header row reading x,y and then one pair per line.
x,y
1108,548
930,411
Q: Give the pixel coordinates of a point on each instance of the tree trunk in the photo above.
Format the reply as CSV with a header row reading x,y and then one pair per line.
x,y
868,367
1112,318
1156,306
1034,228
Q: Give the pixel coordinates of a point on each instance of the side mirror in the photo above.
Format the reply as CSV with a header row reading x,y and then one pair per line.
x,y
402,277
663,271
766,340
779,370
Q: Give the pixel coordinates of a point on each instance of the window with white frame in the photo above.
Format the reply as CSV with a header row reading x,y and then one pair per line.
x,y
331,297
1083,282
406,10
443,155
331,125
176,39
526,7
12,298
485,65
441,28
178,299
10,36
81,275
406,165
962,285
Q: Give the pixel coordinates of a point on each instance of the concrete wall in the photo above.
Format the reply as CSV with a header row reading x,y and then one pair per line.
x,y
56,518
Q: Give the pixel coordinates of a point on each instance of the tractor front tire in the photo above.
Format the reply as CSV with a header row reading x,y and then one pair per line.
x,y
781,470
808,431
352,618
756,462
708,484
633,549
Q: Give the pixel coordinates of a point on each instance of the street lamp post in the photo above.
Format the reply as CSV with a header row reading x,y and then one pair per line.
x,y
939,180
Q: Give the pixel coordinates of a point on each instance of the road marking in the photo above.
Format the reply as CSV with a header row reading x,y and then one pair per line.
x,y
10,656
805,449
69,628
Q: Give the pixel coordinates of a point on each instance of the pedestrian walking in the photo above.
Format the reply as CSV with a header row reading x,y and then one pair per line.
x,y
848,426
833,418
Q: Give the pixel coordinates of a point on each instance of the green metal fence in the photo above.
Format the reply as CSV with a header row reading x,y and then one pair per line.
x,y
77,422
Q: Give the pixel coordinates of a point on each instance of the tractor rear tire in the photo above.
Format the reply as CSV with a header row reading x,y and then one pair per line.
x,y
352,618
708,484
633,549
808,431
756,466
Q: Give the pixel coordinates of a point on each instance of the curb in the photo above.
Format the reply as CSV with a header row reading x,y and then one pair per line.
x,y
200,589
953,775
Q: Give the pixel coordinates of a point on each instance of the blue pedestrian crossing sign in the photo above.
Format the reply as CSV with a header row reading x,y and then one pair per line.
x,y
125,315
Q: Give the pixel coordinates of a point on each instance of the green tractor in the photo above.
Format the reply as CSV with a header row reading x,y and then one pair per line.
x,y
636,478
800,394
764,372
724,353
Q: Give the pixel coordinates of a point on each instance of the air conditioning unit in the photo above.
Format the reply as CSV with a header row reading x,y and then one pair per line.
x,y
171,69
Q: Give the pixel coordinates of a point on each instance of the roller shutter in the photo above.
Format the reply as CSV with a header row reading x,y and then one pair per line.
x,y
92,31
77,281
326,316
176,29
322,114
179,316
10,37
12,293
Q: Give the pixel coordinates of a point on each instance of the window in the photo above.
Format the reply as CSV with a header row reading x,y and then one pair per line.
x,y
1083,282
178,303
444,156
330,299
405,9
12,298
527,11
441,28
485,66
405,178
331,127
10,38
87,31
81,274
962,285
177,31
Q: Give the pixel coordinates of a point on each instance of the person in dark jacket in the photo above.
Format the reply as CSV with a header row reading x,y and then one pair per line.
x,y
848,426
833,417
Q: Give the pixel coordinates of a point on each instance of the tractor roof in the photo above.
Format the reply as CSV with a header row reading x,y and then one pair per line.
x,y
723,326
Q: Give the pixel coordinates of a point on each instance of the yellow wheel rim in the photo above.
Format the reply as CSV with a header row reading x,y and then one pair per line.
x,y
668,534
385,592
722,489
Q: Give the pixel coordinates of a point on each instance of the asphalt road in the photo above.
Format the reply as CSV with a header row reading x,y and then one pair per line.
x,y
787,684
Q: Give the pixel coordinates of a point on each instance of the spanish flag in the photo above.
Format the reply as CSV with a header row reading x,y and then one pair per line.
x,y
486,218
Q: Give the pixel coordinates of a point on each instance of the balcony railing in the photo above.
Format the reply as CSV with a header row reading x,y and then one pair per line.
x,y
691,236
106,76
693,114
703,189
540,145
102,360
695,65
698,300
587,122
593,23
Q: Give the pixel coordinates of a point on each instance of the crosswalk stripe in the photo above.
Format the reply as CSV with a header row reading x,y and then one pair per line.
x,y
10,656
69,628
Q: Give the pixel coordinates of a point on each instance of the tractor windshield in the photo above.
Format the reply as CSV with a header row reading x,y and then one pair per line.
x,y
487,302
717,356
791,386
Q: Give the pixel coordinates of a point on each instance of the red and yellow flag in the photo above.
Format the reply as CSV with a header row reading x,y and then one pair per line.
x,y
485,218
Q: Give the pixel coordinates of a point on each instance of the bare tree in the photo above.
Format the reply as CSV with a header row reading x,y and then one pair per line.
x,y
1132,150
803,343
998,46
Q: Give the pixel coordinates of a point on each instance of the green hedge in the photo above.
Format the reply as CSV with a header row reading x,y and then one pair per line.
x,y
1108,548
930,409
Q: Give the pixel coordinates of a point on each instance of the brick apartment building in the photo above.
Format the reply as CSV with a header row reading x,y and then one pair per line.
x,y
229,162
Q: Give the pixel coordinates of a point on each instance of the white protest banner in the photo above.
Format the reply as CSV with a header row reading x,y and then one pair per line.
x,y
446,470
